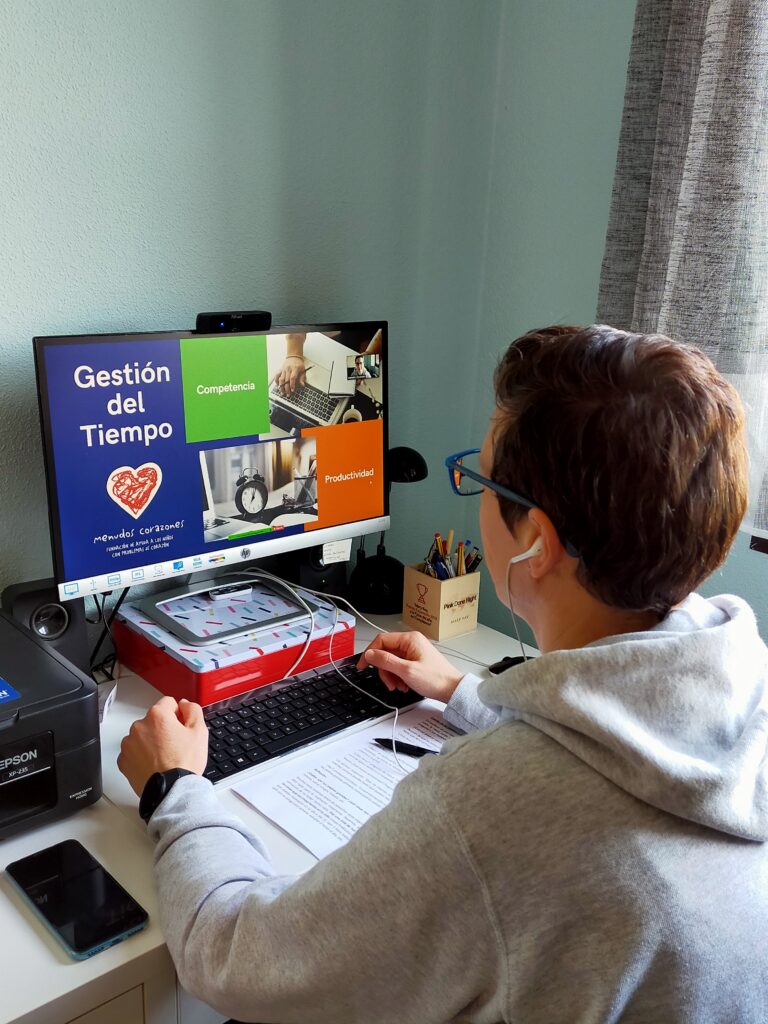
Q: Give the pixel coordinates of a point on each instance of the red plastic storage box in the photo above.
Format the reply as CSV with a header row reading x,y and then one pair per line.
x,y
212,672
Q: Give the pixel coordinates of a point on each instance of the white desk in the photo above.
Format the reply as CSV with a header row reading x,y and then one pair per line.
x,y
134,982
39,983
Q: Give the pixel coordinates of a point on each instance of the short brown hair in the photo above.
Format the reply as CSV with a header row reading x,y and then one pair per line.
x,y
633,445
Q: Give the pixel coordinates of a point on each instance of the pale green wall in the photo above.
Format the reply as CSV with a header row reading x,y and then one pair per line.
x,y
326,160
559,101
445,164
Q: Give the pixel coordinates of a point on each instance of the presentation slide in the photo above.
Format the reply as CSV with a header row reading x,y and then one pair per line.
x,y
165,449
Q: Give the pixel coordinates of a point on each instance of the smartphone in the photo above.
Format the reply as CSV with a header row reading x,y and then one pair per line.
x,y
77,899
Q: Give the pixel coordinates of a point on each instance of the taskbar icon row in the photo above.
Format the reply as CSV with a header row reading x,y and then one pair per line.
x,y
148,573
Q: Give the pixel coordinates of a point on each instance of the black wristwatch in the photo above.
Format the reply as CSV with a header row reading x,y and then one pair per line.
x,y
157,787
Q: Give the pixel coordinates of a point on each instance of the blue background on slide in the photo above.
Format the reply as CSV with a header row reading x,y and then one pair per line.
x,y
85,508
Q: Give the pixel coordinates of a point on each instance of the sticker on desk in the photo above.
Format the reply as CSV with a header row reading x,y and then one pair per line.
x,y
7,692
337,551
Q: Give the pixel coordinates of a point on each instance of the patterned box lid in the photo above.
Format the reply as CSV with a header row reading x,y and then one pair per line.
x,y
245,646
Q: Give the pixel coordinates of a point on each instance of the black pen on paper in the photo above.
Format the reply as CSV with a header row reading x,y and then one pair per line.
x,y
403,748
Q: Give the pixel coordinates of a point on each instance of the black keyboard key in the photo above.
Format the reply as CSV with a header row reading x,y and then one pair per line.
x,y
298,739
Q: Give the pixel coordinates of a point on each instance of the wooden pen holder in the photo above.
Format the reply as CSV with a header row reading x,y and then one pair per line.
x,y
440,608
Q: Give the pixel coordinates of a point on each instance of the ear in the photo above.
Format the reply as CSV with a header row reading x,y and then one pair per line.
x,y
551,551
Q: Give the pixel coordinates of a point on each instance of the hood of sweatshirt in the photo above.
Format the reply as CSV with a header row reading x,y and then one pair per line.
x,y
676,715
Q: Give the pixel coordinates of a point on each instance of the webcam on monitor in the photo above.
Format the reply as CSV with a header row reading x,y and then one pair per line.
x,y
229,321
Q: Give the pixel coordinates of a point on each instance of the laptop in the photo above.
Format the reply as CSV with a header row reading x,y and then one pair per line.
x,y
327,392
215,527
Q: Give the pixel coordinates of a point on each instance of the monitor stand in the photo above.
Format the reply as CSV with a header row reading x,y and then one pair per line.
x,y
305,567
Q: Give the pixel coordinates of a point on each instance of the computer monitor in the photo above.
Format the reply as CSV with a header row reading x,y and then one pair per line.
x,y
172,452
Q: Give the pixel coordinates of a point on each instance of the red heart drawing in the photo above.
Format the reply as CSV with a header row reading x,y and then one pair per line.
x,y
133,489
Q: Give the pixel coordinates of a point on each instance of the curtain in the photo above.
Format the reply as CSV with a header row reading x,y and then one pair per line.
x,y
687,246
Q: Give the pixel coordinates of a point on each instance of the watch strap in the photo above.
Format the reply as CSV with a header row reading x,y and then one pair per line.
x,y
157,788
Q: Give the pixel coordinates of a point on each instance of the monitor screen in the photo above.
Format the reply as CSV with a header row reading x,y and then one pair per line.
x,y
174,452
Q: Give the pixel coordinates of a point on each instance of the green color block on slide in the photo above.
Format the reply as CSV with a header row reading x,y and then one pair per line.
x,y
225,387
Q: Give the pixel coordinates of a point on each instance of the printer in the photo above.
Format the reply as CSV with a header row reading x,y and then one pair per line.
x,y
50,755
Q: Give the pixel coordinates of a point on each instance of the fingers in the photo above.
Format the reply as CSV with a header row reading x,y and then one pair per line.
x,y
389,663
290,380
393,682
298,379
403,647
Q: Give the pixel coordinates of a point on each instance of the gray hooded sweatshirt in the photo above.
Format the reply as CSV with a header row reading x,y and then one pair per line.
x,y
594,850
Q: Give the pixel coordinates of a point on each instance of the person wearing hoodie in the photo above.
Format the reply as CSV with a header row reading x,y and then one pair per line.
x,y
593,849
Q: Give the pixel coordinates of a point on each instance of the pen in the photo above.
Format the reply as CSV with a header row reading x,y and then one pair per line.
x,y
404,748
470,558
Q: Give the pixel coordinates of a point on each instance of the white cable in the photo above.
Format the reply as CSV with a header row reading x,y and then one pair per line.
x,y
460,654
292,592
318,593
512,613
303,603
375,625
381,629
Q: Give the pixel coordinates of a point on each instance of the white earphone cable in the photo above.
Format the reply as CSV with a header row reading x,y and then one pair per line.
x,y
318,593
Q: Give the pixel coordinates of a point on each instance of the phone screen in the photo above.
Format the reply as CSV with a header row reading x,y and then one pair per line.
x,y
80,902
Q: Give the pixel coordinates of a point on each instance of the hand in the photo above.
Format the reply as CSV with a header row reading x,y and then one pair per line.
x,y
292,375
170,735
409,661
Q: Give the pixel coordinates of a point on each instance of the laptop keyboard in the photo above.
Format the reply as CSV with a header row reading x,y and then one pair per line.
x,y
210,522
254,727
311,400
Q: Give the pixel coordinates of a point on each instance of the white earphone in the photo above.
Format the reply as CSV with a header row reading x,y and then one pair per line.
x,y
532,551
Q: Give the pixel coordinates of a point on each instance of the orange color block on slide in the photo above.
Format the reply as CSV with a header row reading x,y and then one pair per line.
x,y
350,472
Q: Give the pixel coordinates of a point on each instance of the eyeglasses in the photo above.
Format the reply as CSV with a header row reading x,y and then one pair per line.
x,y
465,478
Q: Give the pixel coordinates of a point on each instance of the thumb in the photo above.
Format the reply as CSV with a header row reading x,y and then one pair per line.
x,y
190,714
